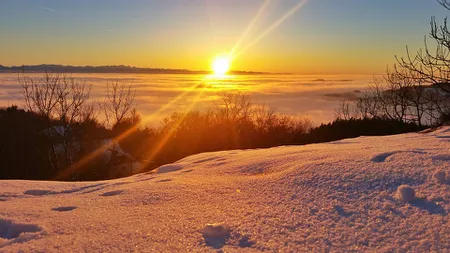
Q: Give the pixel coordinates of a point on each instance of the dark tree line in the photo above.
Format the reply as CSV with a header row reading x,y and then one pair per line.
x,y
355,127
42,144
62,125
56,137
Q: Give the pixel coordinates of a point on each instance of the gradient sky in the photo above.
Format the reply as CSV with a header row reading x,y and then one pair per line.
x,y
324,36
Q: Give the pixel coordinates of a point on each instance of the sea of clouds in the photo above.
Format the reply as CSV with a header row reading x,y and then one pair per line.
x,y
158,95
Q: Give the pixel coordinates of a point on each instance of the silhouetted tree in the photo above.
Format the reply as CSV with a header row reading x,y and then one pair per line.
x,y
345,109
23,147
416,89
119,102
63,101
432,67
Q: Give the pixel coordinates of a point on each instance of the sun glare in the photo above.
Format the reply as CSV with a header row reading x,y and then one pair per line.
x,y
221,65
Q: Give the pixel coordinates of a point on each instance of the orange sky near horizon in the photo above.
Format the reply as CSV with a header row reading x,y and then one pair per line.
x,y
295,36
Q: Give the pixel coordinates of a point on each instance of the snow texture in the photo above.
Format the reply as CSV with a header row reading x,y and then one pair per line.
x,y
168,168
311,198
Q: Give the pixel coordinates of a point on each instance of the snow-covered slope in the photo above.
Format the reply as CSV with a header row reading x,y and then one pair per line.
x,y
338,196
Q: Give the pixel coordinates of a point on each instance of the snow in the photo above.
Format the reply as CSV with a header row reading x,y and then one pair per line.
x,y
406,193
216,235
110,147
168,168
440,176
320,197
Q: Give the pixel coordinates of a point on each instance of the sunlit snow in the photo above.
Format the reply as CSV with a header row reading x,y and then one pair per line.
x,y
338,196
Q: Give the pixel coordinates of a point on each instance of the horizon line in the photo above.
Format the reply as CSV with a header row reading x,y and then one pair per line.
x,y
130,67
15,68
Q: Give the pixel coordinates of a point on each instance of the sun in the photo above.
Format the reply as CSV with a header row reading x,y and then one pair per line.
x,y
221,65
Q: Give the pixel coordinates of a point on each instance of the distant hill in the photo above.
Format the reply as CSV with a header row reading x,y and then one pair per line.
x,y
110,69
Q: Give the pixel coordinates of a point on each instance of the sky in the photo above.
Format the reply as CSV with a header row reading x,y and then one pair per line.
x,y
322,36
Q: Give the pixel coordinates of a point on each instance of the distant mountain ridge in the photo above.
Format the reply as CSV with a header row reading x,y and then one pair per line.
x,y
110,69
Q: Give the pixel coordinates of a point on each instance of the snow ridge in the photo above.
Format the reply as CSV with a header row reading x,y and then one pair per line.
x,y
366,194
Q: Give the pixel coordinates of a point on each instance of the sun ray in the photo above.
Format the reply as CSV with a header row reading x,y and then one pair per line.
x,y
249,27
273,26
161,144
100,150
86,159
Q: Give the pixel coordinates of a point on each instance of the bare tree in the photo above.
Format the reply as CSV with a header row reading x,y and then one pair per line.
x,y
345,109
119,102
302,124
398,95
41,94
88,113
55,96
432,66
233,107
63,101
367,105
263,117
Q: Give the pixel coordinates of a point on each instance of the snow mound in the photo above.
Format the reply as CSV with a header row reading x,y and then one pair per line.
x,y
440,176
168,168
355,195
406,193
216,235
219,235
